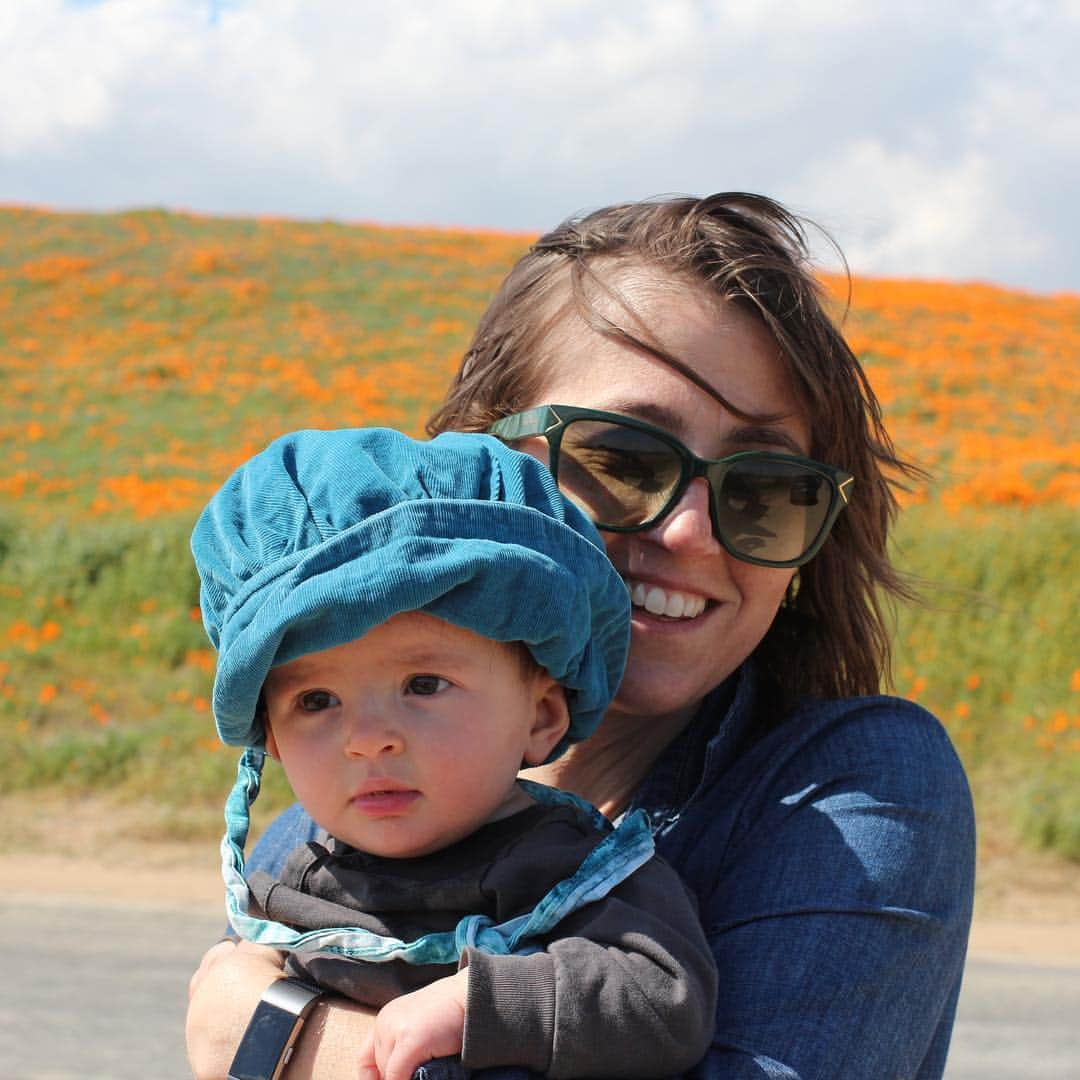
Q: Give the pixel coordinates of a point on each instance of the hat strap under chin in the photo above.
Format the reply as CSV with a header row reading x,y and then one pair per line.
x,y
622,850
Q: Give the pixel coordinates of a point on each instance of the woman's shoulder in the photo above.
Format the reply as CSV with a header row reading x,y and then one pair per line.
x,y
869,767
877,751
854,714
891,742
754,740
879,728
827,709
860,796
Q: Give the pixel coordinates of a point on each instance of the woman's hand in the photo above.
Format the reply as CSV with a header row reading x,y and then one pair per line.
x,y
215,953
412,1029
221,1001
222,996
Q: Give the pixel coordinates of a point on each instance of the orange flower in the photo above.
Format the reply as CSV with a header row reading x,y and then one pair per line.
x,y
203,659
53,268
20,631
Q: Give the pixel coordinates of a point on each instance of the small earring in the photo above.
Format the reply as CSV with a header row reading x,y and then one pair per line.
x,y
791,592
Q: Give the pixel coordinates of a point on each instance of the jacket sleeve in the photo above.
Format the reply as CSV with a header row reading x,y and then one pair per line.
x,y
838,903
627,988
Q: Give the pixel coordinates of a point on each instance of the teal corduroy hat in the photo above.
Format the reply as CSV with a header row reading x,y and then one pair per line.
x,y
326,534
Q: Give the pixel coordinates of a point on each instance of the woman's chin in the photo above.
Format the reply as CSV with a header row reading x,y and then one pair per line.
x,y
659,694
673,665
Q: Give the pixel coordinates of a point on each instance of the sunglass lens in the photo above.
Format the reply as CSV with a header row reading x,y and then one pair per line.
x,y
620,476
771,510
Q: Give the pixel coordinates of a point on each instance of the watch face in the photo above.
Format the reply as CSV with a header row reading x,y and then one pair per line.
x,y
263,1051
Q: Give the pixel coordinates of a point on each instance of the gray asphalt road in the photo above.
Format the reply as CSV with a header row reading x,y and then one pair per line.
x,y
98,993
1017,1022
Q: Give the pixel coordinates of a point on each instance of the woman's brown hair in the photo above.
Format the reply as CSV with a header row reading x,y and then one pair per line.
x,y
831,636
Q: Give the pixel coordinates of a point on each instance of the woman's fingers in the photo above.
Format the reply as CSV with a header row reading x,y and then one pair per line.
x,y
212,956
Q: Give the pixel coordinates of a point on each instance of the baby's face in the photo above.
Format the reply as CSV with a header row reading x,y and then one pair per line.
x,y
409,738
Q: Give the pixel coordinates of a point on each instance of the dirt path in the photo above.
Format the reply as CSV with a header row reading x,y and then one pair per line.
x,y
1027,905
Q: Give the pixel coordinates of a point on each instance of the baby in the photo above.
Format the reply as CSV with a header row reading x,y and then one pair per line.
x,y
405,625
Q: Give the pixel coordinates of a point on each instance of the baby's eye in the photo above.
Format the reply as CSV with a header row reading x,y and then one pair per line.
x,y
426,685
317,700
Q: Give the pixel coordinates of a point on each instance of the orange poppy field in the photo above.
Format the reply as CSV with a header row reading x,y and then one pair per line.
x,y
143,355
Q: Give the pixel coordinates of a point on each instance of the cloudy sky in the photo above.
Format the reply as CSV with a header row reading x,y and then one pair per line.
x,y
929,140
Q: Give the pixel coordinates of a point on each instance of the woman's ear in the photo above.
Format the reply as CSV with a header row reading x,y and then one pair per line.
x,y
551,718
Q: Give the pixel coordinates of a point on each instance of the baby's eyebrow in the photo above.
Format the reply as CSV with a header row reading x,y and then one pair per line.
x,y
435,658
296,671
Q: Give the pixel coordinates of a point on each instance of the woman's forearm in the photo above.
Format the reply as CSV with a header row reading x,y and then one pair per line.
x,y
223,996
329,1044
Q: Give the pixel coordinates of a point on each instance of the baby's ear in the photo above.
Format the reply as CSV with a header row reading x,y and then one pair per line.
x,y
271,742
550,720
262,716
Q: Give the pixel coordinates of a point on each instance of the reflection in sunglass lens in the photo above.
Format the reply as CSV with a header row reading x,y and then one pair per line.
x,y
619,475
770,510
764,507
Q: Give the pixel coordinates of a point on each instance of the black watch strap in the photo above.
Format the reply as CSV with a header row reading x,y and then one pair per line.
x,y
273,1029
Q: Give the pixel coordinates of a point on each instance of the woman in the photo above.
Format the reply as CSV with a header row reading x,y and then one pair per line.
x,y
827,832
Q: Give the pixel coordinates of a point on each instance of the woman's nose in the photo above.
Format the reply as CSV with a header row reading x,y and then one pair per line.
x,y
688,529
370,733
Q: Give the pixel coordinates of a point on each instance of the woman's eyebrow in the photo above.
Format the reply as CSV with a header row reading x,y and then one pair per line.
x,y
745,435
762,435
660,415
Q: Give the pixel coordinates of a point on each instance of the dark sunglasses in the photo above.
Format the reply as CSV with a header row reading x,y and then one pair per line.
x,y
767,508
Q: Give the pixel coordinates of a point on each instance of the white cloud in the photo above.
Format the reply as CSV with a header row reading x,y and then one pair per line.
x,y
64,67
908,215
932,141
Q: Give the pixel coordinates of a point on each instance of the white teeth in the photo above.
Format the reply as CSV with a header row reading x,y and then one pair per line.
x,y
676,605
657,601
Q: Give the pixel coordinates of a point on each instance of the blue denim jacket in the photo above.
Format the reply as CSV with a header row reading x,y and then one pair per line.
x,y
832,856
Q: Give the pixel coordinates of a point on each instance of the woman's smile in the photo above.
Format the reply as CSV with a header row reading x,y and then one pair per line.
x,y
667,603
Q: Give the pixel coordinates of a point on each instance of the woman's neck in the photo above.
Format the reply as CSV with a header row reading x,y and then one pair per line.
x,y
609,766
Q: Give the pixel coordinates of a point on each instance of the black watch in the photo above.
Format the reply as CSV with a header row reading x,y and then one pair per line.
x,y
272,1031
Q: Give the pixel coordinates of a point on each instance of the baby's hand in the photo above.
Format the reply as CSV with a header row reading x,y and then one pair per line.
x,y
412,1029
